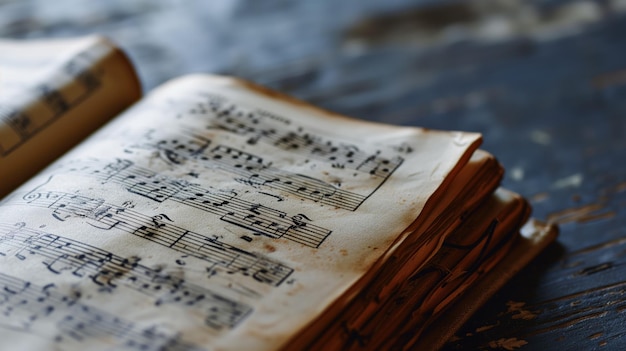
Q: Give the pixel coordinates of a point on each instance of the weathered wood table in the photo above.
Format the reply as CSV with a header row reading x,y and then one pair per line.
x,y
543,80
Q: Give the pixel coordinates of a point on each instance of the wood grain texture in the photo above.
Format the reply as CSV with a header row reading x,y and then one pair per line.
x,y
544,81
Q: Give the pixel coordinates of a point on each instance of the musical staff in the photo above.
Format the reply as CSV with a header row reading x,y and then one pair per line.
x,y
26,305
259,219
107,270
155,229
19,125
260,125
253,171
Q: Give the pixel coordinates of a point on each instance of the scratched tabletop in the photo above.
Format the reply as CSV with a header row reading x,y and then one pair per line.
x,y
543,80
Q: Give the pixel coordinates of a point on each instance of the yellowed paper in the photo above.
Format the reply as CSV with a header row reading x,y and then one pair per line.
x,y
212,215
53,93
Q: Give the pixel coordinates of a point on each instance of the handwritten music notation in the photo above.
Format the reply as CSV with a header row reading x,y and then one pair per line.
x,y
25,305
19,125
262,126
259,219
251,170
107,270
158,229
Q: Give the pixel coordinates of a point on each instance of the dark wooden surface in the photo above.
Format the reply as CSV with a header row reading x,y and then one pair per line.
x,y
544,81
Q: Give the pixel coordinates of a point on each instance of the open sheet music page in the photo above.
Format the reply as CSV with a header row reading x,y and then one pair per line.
x,y
211,215
46,89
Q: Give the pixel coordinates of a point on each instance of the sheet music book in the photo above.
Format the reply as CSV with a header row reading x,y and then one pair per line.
x,y
215,214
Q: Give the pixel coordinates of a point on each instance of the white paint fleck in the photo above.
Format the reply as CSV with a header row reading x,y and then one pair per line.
x,y
355,47
617,6
517,173
495,28
573,181
570,19
502,20
540,137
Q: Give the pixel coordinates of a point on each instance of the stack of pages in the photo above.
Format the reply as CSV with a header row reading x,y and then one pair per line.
x,y
215,214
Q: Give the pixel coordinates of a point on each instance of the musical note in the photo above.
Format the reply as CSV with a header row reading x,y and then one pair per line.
x,y
23,125
260,125
65,206
260,220
20,122
25,304
63,255
54,99
254,172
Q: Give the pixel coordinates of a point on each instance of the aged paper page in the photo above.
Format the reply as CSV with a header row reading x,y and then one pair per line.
x,y
354,326
211,215
54,93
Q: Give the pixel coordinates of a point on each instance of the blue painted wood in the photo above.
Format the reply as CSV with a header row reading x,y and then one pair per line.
x,y
544,81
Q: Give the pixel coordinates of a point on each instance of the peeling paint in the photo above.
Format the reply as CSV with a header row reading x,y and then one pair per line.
x,y
516,308
573,181
581,214
540,137
507,344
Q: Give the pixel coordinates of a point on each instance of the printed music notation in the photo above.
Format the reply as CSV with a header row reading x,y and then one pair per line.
x,y
19,126
262,126
251,170
108,270
158,229
259,219
25,305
